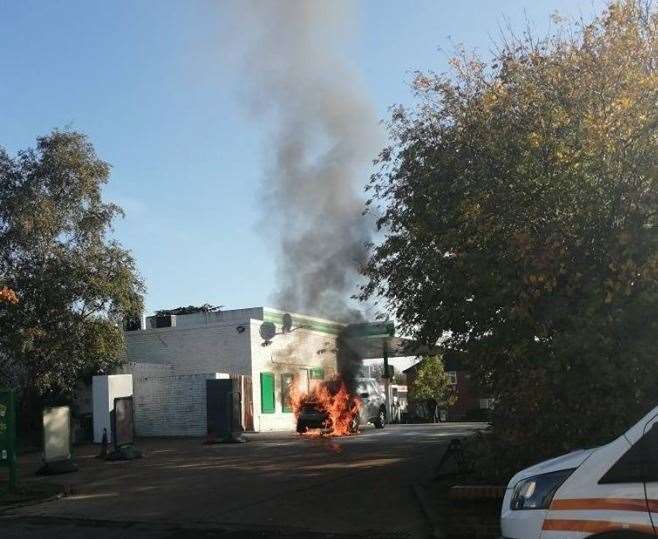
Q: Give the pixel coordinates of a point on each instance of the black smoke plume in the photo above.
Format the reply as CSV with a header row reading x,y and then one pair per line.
x,y
323,133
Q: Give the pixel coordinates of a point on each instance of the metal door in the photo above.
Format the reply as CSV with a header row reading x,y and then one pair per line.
x,y
219,406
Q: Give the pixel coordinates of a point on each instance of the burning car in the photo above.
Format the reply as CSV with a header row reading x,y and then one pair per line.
x,y
331,409
313,416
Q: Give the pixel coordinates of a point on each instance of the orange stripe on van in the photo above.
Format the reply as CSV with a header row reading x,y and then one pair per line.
x,y
593,526
612,504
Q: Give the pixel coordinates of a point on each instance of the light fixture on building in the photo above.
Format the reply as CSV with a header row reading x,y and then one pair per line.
x,y
240,329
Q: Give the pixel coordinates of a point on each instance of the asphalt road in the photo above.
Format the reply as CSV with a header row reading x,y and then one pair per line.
x,y
275,484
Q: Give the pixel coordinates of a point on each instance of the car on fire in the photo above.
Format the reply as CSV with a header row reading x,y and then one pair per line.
x,y
313,415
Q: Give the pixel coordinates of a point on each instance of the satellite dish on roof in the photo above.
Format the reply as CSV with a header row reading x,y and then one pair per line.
x,y
287,323
267,331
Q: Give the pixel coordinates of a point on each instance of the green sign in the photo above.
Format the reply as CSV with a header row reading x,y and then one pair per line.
x,y
8,433
316,374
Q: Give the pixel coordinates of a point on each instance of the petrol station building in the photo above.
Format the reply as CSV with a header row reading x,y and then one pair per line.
x,y
264,350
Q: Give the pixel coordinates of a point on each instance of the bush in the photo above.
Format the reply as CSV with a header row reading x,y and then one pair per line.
x,y
519,206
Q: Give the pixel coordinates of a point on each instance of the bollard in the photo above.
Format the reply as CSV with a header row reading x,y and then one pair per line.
x,y
103,453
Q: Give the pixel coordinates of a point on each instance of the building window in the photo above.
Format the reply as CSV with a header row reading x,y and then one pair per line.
x,y
267,392
287,381
316,374
452,377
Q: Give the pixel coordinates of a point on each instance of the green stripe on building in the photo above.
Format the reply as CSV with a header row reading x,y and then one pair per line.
x,y
365,329
306,322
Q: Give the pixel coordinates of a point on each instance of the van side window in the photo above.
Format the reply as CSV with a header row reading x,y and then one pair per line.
x,y
639,464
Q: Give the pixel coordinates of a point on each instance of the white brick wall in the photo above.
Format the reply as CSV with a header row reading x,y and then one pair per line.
x,y
147,369
211,348
171,405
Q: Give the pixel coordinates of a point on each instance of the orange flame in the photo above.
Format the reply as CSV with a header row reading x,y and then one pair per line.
x,y
333,397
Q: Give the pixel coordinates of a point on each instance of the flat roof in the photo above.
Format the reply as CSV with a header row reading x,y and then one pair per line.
x,y
367,339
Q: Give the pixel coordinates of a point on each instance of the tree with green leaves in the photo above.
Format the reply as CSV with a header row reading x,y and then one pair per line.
x,y
71,284
518,203
432,383
190,309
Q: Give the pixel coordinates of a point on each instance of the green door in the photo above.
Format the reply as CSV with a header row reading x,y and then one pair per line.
x,y
267,392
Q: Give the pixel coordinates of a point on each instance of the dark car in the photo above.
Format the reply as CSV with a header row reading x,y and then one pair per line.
x,y
312,415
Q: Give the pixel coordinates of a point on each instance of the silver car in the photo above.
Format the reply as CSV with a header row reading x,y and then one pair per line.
x,y
373,409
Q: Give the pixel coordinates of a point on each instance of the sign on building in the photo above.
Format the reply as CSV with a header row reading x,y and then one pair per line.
x,y
8,434
316,373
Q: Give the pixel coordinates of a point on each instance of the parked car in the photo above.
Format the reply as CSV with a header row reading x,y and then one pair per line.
x,y
373,402
606,492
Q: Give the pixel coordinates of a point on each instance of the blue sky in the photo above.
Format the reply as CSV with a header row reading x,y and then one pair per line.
x,y
153,85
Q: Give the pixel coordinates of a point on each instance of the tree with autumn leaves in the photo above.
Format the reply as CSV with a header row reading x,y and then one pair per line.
x,y
66,284
7,295
518,203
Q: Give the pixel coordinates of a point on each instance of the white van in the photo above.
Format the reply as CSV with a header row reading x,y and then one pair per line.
x,y
606,492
